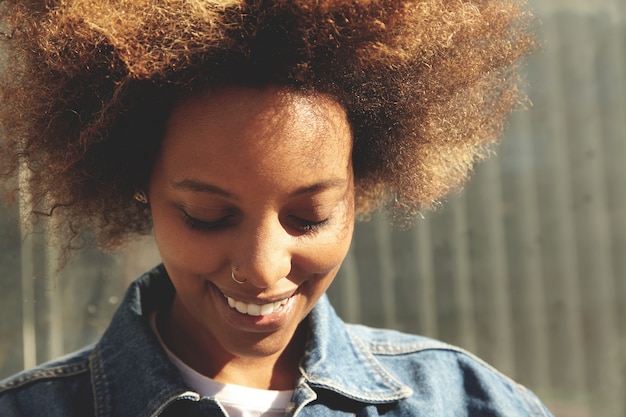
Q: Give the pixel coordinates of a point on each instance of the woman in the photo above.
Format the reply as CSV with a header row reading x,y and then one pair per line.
x,y
247,135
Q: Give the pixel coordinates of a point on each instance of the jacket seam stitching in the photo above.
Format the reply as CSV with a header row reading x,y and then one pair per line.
x,y
57,372
100,393
399,388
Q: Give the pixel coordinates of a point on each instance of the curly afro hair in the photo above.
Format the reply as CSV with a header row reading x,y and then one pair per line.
x,y
427,86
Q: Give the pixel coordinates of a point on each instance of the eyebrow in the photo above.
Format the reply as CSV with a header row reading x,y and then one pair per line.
x,y
203,187
320,186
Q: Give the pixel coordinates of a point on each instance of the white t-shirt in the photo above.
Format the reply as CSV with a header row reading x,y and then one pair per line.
x,y
237,400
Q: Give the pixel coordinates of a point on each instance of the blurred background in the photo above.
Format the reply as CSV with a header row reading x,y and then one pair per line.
x,y
526,268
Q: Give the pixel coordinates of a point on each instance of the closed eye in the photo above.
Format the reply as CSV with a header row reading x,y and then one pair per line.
x,y
202,225
308,226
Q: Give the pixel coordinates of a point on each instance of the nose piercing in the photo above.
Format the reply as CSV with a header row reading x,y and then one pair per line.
x,y
232,275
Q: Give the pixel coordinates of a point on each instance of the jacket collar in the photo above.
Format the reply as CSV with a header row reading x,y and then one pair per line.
x,y
132,375
337,360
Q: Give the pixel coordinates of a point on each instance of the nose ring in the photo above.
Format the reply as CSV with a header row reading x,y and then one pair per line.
x,y
232,275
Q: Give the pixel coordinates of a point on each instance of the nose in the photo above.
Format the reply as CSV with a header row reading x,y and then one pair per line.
x,y
264,254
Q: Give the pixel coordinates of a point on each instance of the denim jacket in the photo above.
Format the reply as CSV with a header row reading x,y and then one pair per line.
x,y
346,370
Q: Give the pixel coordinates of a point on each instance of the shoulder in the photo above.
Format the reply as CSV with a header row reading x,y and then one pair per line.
x,y
61,387
445,375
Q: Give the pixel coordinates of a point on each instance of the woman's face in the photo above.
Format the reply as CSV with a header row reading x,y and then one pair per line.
x,y
260,180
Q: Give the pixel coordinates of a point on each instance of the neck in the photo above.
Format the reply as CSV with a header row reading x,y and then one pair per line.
x,y
203,353
273,373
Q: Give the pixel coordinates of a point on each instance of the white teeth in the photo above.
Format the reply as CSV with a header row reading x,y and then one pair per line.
x,y
265,309
256,309
241,307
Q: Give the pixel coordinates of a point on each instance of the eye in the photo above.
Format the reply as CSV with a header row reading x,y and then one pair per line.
x,y
202,225
308,226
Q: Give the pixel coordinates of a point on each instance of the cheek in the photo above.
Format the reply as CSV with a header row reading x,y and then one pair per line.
x,y
181,249
326,253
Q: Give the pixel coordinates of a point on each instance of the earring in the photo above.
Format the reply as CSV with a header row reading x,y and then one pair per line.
x,y
232,275
141,197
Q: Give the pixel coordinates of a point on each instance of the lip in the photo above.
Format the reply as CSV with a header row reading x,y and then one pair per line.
x,y
255,324
260,301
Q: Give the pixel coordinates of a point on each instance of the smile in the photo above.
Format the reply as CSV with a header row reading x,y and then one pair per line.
x,y
256,309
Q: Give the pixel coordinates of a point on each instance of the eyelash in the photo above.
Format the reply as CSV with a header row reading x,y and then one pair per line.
x,y
195,224
304,226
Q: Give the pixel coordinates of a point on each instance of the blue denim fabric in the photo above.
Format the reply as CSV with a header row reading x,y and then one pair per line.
x,y
347,370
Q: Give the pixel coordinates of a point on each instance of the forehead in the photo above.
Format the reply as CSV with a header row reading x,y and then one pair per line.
x,y
231,125
269,115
